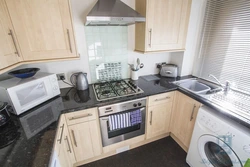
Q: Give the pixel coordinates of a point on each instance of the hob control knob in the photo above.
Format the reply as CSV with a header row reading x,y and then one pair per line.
x,y
139,104
135,105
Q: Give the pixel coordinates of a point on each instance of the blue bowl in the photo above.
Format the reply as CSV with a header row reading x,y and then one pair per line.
x,y
24,73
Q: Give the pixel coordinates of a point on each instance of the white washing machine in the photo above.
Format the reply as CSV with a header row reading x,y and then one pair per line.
x,y
218,141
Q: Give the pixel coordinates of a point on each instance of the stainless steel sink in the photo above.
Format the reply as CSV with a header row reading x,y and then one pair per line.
x,y
198,86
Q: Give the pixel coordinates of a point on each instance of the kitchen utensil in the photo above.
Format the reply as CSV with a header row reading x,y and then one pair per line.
x,y
169,70
4,113
24,73
138,64
134,75
79,81
141,65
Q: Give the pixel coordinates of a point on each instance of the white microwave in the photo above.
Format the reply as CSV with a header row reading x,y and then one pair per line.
x,y
24,94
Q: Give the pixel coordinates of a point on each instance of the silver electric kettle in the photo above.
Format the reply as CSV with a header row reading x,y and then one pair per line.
x,y
79,81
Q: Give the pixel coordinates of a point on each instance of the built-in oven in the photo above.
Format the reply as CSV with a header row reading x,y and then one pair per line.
x,y
122,121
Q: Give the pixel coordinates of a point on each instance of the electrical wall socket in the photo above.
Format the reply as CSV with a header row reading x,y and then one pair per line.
x,y
60,75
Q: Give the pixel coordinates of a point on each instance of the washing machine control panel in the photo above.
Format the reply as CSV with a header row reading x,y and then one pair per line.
x,y
209,123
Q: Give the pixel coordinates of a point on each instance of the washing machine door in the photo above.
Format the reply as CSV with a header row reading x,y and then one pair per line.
x,y
217,153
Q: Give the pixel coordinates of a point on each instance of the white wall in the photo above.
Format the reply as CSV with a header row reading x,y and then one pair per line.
x,y
80,8
185,60
193,37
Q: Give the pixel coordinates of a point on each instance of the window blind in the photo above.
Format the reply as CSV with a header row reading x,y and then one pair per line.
x,y
225,42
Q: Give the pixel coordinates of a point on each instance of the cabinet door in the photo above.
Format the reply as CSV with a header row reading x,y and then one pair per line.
x,y
167,23
158,119
44,28
183,117
61,128
86,140
66,153
9,54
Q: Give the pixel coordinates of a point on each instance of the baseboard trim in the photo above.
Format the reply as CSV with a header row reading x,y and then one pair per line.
x,y
113,152
179,142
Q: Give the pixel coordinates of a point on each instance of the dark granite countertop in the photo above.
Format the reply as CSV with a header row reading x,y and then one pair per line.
x,y
37,128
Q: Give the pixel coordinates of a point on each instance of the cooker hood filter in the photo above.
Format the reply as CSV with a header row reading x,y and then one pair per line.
x,y
112,13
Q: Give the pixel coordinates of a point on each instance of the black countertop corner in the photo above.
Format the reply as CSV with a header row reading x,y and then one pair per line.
x,y
36,128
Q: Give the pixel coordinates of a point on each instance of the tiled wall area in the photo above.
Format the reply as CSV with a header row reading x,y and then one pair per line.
x,y
107,44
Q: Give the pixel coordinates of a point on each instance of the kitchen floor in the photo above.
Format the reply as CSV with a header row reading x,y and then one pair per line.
x,y
165,152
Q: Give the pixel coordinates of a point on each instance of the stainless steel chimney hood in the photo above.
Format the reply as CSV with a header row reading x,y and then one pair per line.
x,y
112,13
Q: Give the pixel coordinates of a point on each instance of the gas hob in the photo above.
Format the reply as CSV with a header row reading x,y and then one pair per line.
x,y
115,89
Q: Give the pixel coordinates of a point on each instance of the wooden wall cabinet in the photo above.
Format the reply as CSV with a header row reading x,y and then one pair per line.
x,y
159,114
9,48
166,25
35,31
183,118
44,28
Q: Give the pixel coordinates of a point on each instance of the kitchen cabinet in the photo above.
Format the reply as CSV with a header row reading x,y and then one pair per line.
x,y
59,134
66,153
166,25
9,49
86,140
44,29
183,118
85,134
159,114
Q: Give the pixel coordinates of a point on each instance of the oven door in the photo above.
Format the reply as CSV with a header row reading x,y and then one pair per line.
x,y
110,137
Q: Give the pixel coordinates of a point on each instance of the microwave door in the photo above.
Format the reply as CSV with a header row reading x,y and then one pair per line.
x,y
25,97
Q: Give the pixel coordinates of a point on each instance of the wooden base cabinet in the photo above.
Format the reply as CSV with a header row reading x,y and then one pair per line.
x,y
66,155
183,117
158,120
86,140
84,133
159,114
166,25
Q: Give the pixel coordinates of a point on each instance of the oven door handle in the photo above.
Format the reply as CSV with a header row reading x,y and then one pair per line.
x,y
143,108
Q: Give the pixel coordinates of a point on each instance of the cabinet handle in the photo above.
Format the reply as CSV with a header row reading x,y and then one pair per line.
x,y
70,47
73,136
192,115
69,149
162,99
150,37
60,139
151,117
14,42
80,116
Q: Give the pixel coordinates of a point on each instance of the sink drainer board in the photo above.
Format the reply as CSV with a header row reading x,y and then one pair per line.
x,y
150,78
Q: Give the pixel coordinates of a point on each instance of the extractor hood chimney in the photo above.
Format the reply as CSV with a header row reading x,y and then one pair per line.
x,y
112,13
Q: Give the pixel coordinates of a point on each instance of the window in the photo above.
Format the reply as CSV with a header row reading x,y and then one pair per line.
x,y
225,43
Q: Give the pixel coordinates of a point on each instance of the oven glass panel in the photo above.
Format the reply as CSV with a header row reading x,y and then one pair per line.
x,y
32,93
217,156
125,122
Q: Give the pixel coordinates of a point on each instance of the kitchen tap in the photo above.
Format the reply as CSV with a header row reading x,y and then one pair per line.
x,y
227,85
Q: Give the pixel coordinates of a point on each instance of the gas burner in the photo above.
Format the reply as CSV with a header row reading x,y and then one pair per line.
x,y
115,89
106,93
